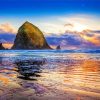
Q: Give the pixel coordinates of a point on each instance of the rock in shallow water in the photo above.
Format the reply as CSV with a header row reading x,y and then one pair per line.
x,y
29,68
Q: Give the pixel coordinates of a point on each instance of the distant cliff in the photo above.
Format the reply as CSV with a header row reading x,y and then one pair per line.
x,y
1,47
30,37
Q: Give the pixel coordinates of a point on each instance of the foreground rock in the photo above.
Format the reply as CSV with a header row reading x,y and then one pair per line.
x,y
1,47
27,68
30,37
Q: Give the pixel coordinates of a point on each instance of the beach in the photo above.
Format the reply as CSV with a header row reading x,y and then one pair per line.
x,y
63,76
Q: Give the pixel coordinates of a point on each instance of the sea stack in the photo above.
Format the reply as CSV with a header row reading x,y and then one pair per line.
x,y
1,47
30,37
58,47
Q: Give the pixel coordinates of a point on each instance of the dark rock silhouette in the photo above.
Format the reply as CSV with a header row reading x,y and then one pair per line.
x,y
58,47
27,68
1,47
30,37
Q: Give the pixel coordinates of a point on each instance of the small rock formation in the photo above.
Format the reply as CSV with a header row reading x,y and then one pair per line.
x,y
28,68
58,47
30,37
1,47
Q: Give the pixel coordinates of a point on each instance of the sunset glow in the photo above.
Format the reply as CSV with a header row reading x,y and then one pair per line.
x,y
79,27
8,45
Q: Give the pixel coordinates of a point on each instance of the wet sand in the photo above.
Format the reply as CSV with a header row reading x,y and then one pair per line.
x,y
67,79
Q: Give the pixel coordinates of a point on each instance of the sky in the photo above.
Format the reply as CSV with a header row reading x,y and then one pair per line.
x,y
54,18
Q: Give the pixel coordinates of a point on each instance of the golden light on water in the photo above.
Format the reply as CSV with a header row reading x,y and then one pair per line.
x,y
81,78
77,76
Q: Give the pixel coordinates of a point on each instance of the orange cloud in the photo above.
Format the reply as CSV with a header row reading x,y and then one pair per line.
x,y
7,28
93,38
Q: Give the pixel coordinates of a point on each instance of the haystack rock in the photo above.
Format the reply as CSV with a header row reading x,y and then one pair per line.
x,y
30,37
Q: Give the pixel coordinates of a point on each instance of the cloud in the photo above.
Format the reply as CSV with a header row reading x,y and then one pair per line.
x,y
52,28
69,24
84,21
76,40
60,24
7,38
7,28
92,37
7,34
73,27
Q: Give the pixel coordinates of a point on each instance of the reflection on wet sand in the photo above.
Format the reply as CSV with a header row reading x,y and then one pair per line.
x,y
75,78
28,68
4,80
84,79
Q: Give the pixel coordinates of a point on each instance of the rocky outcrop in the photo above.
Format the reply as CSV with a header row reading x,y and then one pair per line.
x,y
30,37
58,47
1,47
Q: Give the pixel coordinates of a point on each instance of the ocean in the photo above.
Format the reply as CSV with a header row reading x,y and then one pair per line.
x,y
65,75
